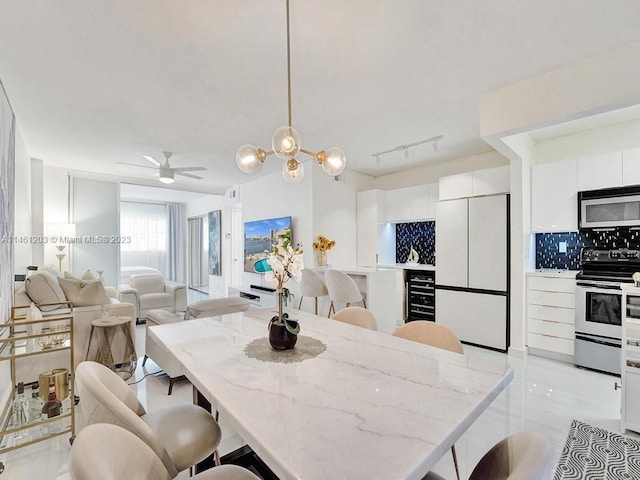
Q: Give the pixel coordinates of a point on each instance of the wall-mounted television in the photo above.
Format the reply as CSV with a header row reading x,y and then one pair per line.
x,y
261,236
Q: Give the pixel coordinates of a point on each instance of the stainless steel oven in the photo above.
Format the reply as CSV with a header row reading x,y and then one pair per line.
x,y
599,306
598,326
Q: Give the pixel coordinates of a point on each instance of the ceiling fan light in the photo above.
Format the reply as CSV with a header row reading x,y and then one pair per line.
x,y
334,161
166,175
249,158
292,171
285,142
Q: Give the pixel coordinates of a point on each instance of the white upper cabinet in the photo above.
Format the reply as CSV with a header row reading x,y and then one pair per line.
x,y
554,200
491,181
412,203
456,186
600,171
631,167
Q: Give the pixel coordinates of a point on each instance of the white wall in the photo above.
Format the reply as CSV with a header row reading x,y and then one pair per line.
x,y
334,214
430,173
55,209
217,284
269,196
22,206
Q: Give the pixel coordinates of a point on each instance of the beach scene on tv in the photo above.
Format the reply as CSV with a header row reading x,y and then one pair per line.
x,y
261,236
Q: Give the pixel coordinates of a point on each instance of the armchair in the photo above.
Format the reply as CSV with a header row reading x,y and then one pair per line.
x,y
151,291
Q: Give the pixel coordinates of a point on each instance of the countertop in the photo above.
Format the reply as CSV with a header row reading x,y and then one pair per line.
x,y
552,272
409,266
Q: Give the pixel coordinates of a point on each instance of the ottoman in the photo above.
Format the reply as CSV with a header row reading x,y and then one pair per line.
x,y
210,307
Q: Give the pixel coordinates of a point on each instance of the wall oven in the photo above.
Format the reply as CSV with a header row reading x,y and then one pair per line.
x,y
599,306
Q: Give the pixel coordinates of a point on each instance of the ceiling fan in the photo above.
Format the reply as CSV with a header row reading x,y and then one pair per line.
x,y
167,172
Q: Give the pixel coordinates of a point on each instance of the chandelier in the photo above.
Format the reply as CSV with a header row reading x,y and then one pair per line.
x,y
285,144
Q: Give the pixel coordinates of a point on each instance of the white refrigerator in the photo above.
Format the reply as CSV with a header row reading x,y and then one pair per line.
x,y
472,269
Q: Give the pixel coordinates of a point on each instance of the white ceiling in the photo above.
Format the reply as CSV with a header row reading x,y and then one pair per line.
x,y
159,194
94,82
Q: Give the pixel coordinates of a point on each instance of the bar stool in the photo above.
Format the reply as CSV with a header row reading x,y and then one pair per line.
x,y
103,333
312,286
342,290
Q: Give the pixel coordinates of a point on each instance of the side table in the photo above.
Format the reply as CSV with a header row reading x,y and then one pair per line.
x,y
103,333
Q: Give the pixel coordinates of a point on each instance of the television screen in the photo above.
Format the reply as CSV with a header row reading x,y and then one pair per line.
x,y
260,236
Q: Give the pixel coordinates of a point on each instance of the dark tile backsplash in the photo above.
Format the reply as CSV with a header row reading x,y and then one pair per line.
x,y
549,256
422,235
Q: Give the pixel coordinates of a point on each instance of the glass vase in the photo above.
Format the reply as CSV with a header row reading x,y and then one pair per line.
x,y
280,338
322,258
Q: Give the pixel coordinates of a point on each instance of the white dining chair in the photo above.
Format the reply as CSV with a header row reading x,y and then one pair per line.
x,y
342,290
520,456
108,452
358,316
434,335
312,286
180,436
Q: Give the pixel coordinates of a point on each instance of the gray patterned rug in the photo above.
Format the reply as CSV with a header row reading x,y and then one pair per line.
x,y
592,453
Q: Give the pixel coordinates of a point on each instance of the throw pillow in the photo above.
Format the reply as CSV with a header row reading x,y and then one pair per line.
x,y
42,288
89,277
84,295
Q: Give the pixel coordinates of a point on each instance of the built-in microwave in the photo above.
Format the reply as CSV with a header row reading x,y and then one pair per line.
x,y
609,207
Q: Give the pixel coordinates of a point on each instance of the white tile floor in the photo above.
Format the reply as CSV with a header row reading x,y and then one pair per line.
x,y
545,395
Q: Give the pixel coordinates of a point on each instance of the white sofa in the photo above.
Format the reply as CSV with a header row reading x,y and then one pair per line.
x,y
29,368
151,292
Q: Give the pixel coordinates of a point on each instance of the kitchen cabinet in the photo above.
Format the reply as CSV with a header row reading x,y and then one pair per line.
x,y
452,242
551,316
411,204
456,186
370,214
472,248
631,167
475,318
490,181
600,171
630,368
554,197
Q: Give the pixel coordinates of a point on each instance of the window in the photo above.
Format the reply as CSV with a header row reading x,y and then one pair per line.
x,y
146,225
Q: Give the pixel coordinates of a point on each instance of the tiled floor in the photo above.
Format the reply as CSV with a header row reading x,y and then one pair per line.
x,y
545,395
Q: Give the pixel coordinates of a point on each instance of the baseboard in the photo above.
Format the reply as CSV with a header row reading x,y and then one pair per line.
x,y
517,352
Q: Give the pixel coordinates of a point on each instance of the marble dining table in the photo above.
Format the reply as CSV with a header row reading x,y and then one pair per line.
x,y
359,405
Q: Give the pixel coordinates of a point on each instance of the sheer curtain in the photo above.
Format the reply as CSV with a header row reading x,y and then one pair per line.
x,y
147,226
176,262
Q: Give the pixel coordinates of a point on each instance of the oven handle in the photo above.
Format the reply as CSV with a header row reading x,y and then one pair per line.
x,y
598,340
606,286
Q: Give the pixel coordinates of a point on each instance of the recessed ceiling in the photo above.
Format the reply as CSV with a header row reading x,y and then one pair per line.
x,y
94,82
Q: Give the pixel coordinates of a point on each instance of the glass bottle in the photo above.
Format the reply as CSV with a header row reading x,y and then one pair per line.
x,y
35,404
19,417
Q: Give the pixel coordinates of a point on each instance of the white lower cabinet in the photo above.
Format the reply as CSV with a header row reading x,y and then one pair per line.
x,y
551,315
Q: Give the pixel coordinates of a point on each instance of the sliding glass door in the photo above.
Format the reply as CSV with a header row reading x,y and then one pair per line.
x,y
199,253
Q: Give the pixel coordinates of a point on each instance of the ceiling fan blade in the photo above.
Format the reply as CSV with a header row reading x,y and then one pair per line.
x,y
187,175
188,169
136,165
151,159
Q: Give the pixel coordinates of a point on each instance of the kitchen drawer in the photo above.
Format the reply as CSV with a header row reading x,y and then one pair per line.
x,y
555,314
552,344
552,284
551,299
556,329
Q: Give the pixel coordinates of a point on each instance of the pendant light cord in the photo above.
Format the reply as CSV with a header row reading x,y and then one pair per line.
x,y
288,66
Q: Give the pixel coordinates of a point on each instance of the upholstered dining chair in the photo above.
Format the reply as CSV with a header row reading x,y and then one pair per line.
x,y
180,436
342,290
108,452
312,286
435,335
520,456
358,316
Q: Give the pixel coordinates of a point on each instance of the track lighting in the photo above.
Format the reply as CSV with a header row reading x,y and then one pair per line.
x,y
405,148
